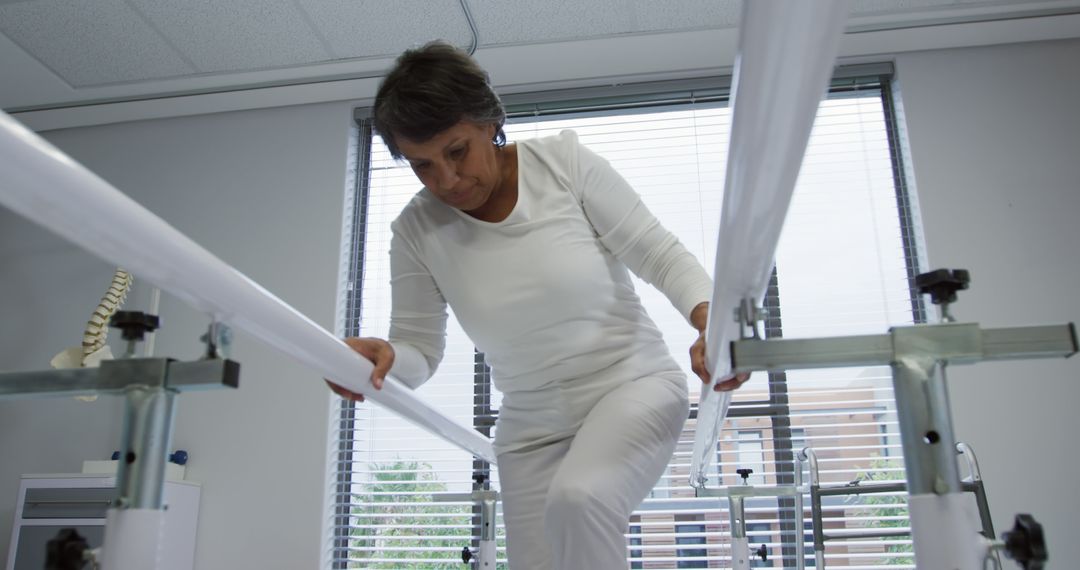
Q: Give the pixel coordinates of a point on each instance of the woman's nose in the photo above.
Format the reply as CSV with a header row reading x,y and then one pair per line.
x,y
448,176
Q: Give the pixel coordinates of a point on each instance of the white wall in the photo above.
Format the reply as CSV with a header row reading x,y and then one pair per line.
x,y
995,159
995,141
264,191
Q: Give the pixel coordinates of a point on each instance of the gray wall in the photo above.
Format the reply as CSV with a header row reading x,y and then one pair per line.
x,y
994,139
264,191
995,161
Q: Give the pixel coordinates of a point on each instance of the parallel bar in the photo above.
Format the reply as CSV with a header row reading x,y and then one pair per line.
x,y
43,184
785,56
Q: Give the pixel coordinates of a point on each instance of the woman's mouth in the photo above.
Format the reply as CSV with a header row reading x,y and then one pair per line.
x,y
459,197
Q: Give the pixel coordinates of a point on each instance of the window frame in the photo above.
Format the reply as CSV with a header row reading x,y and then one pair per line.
x,y
620,99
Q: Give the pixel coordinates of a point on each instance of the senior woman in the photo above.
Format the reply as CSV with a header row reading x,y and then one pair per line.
x,y
532,244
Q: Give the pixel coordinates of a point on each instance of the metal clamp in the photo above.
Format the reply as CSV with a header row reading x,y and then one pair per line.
x,y
749,315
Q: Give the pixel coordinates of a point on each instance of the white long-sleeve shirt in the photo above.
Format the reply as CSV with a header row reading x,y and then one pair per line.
x,y
545,294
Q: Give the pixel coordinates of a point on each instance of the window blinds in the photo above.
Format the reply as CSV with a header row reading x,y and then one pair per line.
x,y
843,267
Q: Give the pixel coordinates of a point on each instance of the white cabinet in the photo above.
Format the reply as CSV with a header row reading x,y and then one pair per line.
x,y
48,503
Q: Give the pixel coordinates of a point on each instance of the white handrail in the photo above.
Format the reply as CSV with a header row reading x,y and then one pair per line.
x,y
785,57
41,183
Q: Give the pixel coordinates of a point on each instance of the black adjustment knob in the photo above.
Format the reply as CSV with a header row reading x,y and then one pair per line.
x,y
762,553
466,555
745,474
942,284
1025,543
479,479
134,324
65,551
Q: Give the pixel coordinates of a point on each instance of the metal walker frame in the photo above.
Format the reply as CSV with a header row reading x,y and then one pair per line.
x,y
807,459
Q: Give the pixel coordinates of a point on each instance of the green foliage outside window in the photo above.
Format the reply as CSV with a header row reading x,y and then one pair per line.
x,y
397,523
893,516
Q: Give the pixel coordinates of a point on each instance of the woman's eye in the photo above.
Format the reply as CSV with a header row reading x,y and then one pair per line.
x,y
457,152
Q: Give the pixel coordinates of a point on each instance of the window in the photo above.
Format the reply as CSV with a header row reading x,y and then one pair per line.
x,y
635,540
845,265
758,535
690,557
750,454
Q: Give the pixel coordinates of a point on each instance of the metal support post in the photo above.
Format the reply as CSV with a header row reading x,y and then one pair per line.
x,y
736,496
817,524
944,536
922,402
800,517
740,545
485,556
147,434
134,524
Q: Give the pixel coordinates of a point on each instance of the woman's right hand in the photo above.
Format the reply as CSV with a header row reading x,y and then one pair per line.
x,y
379,352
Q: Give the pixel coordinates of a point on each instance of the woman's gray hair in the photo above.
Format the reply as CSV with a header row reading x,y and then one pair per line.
x,y
431,89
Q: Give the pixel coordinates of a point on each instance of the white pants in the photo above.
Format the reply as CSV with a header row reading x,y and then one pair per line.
x,y
567,504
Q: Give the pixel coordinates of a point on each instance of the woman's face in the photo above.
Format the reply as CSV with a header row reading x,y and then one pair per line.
x,y
459,166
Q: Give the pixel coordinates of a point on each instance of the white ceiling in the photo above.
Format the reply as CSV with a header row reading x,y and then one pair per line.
x,y
67,53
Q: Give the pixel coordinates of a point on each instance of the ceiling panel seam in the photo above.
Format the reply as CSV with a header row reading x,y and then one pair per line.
x,y
34,56
316,31
179,53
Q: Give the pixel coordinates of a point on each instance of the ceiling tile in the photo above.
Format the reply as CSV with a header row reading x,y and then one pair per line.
x,y
238,35
115,44
89,43
519,21
525,21
376,28
684,14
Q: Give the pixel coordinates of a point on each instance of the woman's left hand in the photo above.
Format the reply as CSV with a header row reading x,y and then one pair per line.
x,y
697,358
699,317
